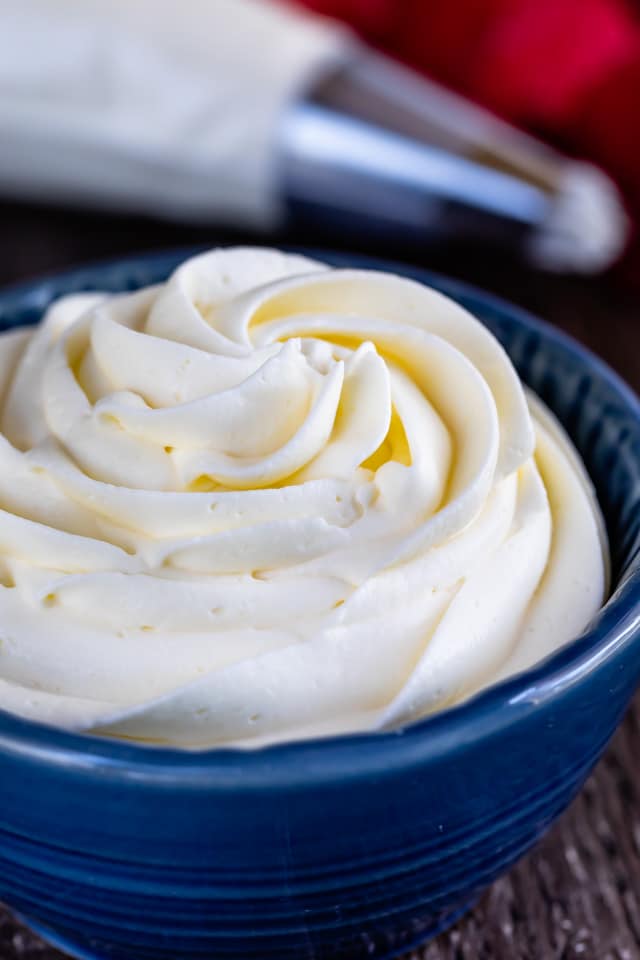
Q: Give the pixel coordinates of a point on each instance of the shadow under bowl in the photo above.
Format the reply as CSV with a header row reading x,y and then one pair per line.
x,y
355,846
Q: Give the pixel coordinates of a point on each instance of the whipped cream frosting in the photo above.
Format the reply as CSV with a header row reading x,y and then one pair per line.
x,y
268,500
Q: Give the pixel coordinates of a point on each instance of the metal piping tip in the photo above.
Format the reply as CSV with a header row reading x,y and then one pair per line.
x,y
374,141
586,228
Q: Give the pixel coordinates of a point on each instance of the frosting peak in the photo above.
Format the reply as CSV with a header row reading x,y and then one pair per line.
x,y
267,499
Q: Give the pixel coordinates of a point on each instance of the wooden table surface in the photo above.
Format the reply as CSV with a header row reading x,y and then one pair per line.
x,y
577,896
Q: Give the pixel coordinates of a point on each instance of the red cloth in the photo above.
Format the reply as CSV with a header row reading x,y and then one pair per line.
x,y
569,70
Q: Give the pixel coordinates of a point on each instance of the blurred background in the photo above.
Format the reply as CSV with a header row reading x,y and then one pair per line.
x,y
497,141
493,140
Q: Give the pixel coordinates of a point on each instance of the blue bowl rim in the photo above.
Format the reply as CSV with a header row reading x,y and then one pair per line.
x,y
325,759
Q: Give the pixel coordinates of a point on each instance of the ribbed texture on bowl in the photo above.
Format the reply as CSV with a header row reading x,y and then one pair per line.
x,y
293,852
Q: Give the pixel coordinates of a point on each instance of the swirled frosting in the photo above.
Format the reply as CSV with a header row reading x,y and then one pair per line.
x,y
268,499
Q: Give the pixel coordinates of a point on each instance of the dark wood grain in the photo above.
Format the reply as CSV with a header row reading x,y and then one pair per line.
x,y
577,896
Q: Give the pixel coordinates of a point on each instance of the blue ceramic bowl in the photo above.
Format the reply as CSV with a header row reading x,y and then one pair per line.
x,y
357,846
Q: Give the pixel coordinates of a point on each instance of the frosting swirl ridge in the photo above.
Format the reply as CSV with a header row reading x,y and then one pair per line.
x,y
268,499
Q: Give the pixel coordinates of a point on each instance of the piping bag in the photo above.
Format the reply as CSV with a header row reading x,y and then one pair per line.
x,y
246,112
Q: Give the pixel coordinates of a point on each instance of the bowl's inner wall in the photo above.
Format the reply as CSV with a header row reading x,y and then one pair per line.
x,y
600,418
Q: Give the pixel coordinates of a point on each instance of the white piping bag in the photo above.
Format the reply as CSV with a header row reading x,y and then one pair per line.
x,y
166,108
243,112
